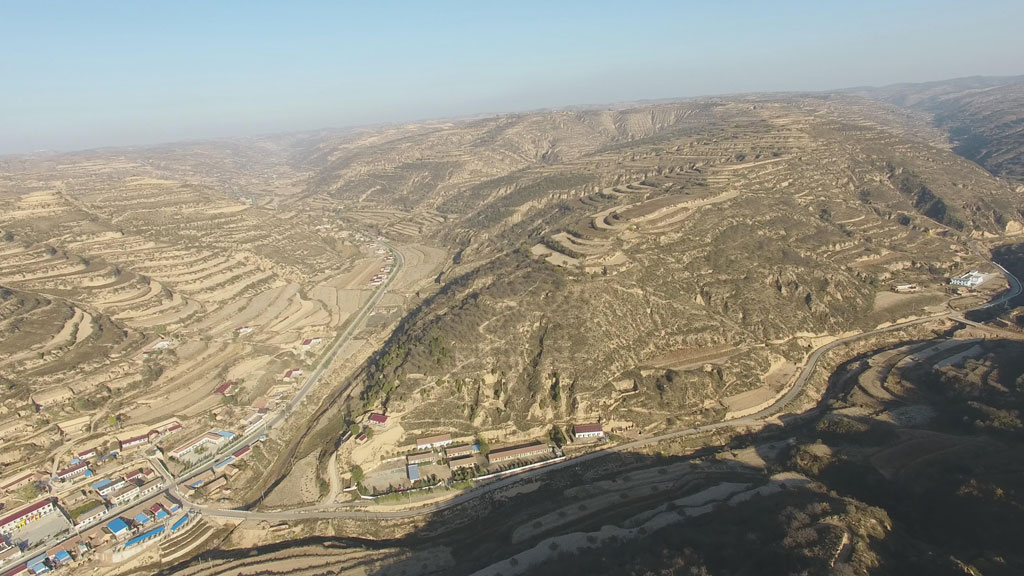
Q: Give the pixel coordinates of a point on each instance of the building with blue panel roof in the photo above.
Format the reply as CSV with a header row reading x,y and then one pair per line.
x,y
144,536
118,527
38,565
179,523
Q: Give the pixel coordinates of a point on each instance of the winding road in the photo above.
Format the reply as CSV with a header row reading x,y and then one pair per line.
x,y
361,511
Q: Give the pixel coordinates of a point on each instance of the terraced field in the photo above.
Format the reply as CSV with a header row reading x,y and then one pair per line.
x,y
128,287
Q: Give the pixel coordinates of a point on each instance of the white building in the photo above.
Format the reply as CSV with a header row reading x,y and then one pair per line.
x,y
588,430
126,494
90,516
26,515
433,441
971,279
150,487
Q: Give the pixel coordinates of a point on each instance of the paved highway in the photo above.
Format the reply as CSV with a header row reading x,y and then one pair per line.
x,y
360,510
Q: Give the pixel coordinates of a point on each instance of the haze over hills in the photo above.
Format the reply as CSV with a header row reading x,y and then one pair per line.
x,y
717,283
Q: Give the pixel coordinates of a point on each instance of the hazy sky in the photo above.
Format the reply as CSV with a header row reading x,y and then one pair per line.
x,y
81,74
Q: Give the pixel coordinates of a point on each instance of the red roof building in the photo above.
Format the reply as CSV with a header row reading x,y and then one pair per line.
x,y
71,472
133,441
226,389
12,522
378,419
517,452
588,430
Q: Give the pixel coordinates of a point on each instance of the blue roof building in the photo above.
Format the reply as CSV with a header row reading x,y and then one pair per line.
x,y
38,565
117,527
179,523
97,486
223,462
142,518
144,536
62,556
414,472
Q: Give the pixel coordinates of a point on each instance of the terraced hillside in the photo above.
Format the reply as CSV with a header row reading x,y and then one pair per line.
x,y
981,115
130,293
587,255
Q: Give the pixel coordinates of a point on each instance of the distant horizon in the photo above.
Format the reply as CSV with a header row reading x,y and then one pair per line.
x,y
475,116
118,74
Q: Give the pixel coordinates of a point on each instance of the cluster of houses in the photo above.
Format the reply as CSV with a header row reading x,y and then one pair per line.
x,y
433,448
125,488
216,479
386,269
86,510
211,439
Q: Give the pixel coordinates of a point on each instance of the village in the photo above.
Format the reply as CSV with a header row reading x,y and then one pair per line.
x,y
443,460
110,487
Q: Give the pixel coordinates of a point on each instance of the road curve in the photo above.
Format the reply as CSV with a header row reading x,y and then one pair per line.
x,y
360,511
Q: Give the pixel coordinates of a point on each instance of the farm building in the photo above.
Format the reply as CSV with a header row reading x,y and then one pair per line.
x,y
516,452
458,451
588,430
421,457
378,419
433,441
464,462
